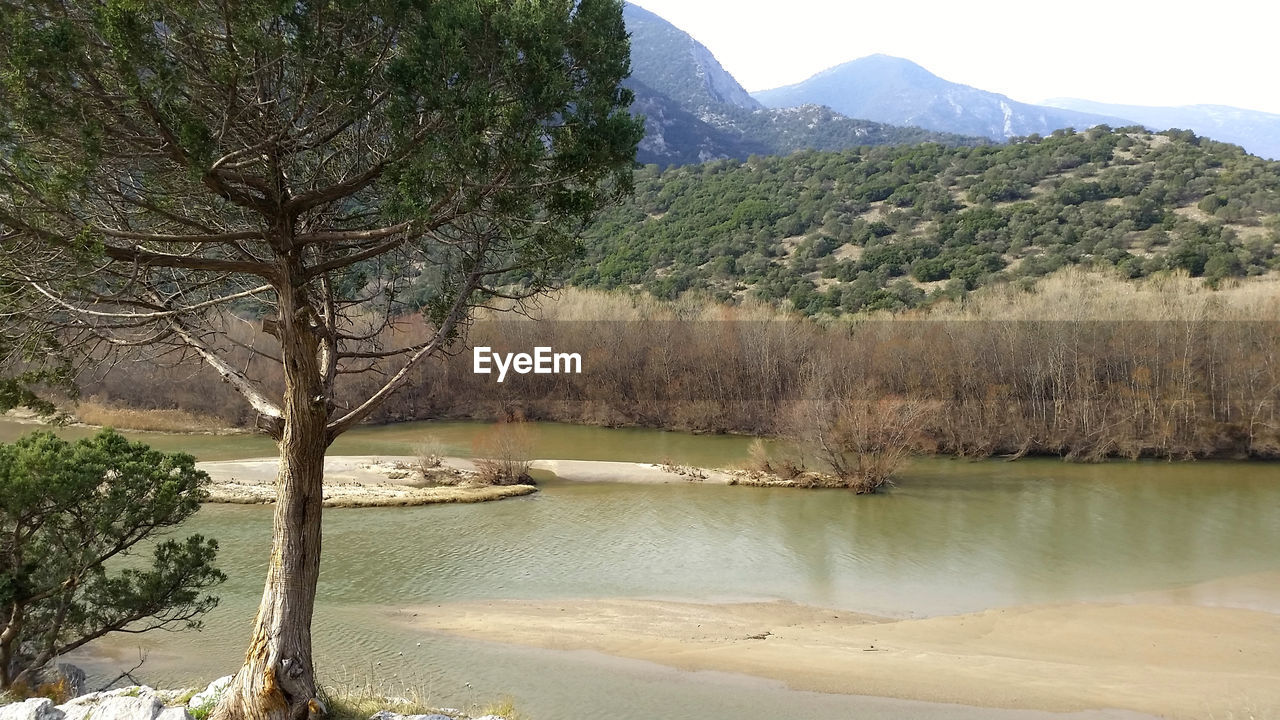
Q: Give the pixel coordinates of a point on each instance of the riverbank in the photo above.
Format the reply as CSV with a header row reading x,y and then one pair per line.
x,y
1170,660
350,476
385,481
360,481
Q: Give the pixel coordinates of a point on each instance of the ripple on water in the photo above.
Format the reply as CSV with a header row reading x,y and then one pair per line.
x,y
949,539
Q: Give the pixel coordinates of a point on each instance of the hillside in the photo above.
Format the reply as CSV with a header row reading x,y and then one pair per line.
x,y
896,91
696,111
893,227
1257,132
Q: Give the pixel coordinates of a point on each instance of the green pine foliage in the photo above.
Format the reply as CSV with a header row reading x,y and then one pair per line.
x,y
70,513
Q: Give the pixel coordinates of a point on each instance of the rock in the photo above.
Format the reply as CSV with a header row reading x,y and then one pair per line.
x,y
33,709
138,702
67,678
173,713
491,717
388,715
211,694
170,697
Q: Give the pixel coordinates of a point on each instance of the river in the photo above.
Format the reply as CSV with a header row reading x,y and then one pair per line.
x,y
953,536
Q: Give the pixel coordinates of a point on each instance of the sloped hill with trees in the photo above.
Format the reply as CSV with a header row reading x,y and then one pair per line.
x,y
893,227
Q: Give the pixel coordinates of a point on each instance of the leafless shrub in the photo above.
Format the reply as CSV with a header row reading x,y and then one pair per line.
x,y
428,455
503,454
861,438
758,457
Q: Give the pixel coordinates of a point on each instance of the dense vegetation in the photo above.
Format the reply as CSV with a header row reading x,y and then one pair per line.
x,y
895,227
1163,367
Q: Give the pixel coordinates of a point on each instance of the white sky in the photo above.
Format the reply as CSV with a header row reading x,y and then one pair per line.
x,y
1224,52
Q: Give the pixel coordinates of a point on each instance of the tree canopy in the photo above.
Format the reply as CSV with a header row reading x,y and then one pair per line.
x,y
197,177
69,513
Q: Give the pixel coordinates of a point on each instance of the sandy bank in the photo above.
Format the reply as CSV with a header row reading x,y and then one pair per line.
x,y
358,481
390,477
629,472
1176,661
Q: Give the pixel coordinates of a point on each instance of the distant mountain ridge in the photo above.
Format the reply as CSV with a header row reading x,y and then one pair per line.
x,y
1257,132
695,111
893,90
671,62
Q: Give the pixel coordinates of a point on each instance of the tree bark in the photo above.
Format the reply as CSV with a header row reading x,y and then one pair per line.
x,y
8,641
277,681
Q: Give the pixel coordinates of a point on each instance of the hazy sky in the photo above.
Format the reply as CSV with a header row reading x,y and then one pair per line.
x,y
1152,53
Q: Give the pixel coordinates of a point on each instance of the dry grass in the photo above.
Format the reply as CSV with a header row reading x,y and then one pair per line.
x,y
352,700
92,412
1075,294
581,305
1072,293
504,709
360,699
59,691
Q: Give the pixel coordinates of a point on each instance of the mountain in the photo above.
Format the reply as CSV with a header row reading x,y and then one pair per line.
x,y
673,135
695,111
893,90
1257,132
671,62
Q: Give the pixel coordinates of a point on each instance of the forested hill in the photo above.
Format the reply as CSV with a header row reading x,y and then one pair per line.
x,y
890,227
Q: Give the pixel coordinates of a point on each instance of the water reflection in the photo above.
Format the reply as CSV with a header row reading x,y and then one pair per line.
x,y
949,539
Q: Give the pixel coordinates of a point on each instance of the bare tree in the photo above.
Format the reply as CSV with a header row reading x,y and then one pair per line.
x,y
168,171
861,437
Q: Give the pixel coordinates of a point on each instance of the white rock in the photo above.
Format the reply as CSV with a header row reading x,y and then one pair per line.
x,y
33,709
169,697
211,694
131,703
173,713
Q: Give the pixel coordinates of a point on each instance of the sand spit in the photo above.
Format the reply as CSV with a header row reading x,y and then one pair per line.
x,y
379,481
630,472
359,481
1176,661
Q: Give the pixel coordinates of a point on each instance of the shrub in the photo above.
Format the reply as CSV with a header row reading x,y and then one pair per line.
x,y
861,438
503,454
428,456
66,512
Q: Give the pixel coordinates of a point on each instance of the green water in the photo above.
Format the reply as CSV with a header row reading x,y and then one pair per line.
x,y
953,536
551,440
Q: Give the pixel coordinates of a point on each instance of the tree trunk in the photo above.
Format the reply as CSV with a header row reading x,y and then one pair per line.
x,y
277,681
8,643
